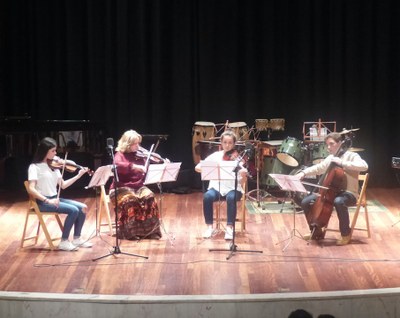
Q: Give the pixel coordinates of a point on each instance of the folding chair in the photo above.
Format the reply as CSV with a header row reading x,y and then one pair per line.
x,y
33,210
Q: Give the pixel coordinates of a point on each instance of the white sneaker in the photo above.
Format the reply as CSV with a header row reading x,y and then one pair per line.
x,y
229,233
208,233
67,246
81,243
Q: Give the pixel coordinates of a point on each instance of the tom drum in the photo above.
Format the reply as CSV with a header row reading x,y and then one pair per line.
x,y
290,152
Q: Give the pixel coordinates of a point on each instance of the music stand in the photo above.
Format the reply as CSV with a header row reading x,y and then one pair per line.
x,y
225,170
290,184
99,179
117,249
159,173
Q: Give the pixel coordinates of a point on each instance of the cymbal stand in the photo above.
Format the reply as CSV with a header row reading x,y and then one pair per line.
x,y
294,232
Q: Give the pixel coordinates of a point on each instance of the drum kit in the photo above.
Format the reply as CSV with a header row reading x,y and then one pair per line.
x,y
271,156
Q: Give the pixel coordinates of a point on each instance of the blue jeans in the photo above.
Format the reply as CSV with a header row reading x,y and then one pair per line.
x,y
341,203
75,215
213,195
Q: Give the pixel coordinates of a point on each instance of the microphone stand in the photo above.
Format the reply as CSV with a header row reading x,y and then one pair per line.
x,y
233,247
117,249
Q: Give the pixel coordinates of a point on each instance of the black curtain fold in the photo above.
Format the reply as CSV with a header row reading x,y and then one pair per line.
x,y
159,66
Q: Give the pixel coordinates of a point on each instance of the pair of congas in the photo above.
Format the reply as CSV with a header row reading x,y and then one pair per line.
x,y
274,124
204,140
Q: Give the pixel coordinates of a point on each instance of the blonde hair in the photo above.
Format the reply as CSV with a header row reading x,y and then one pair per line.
x,y
228,133
127,139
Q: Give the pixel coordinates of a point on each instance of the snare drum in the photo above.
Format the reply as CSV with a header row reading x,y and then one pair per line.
x,y
240,129
290,152
202,130
272,165
319,152
277,124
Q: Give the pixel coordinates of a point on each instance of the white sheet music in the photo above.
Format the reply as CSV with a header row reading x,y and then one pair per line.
x,y
164,172
288,182
224,170
101,176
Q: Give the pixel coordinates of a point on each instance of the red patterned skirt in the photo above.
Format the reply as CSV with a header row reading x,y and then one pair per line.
x,y
138,214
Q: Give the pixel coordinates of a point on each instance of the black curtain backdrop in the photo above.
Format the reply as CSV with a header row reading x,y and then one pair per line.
x,y
158,66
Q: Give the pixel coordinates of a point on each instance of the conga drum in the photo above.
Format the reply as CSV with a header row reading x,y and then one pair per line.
x,y
262,124
240,129
202,130
277,124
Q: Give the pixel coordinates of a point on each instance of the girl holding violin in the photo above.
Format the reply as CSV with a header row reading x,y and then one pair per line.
x,y
350,164
223,188
43,182
138,213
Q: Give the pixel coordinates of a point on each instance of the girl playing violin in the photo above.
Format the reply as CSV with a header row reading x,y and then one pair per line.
x,y
138,214
222,188
352,164
43,182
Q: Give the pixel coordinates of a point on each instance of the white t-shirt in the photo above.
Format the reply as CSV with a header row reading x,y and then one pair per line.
x,y
222,186
46,178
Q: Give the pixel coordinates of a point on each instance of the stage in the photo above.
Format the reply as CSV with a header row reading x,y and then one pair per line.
x,y
180,266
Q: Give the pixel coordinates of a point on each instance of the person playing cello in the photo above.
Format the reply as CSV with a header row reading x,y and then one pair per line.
x,y
351,165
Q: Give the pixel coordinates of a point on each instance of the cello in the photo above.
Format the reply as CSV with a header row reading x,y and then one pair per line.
x,y
329,187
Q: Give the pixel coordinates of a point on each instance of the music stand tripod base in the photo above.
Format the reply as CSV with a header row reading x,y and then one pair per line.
x,y
226,170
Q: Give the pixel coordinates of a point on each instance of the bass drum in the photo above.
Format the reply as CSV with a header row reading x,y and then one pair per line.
x,y
272,165
202,130
291,152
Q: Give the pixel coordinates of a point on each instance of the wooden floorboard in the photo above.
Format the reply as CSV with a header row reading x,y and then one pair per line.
x,y
181,263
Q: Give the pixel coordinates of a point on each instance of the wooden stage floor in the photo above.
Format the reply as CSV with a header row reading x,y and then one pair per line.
x,y
181,264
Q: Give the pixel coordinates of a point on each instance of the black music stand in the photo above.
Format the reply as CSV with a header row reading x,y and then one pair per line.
x,y
160,173
290,184
99,179
225,170
117,249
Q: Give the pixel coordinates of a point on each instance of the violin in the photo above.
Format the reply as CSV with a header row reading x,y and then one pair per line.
x,y
70,166
144,153
231,155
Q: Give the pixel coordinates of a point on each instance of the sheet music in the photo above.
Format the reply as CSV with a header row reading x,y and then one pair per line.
x,y
212,170
101,176
164,172
289,182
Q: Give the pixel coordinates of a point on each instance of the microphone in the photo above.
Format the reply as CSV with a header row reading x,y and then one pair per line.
x,y
110,143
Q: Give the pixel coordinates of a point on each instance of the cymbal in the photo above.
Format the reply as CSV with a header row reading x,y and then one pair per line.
x,y
356,149
348,131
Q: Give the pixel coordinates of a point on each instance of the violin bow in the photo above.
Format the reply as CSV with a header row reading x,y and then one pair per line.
x,y
62,174
146,165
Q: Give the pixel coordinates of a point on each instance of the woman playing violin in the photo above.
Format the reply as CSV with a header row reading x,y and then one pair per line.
x,y
138,214
222,188
43,182
352,164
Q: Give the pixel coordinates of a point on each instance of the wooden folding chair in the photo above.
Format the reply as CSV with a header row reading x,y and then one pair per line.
x,y
104,211
361,203
33,210
240,215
